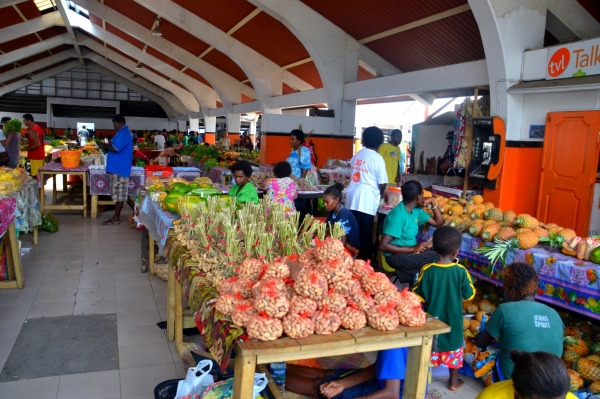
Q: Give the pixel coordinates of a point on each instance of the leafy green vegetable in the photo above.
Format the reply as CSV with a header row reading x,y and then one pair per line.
x,y
204,152
13,125
210,163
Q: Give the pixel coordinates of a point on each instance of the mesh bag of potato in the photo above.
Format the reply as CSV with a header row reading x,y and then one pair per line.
x,y
298,326
264,328
409,309
383,317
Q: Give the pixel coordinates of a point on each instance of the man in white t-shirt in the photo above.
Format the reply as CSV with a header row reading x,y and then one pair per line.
x,y
159,139
367,185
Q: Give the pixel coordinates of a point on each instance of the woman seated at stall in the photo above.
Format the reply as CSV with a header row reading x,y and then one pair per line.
x,y
521,322
243,190
337,212
400,229
537,375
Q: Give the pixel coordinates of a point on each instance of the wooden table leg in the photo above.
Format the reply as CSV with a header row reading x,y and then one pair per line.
x,y
84,178
171,305
178,316
42,199
15,254
151,254
417,369
65,183
35,235
54,196
94,211
243,383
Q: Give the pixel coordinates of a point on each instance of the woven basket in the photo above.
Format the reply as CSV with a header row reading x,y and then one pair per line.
x,y
70,159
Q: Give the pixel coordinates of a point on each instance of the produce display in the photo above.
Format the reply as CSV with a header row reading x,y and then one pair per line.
x,y
11,180
212,156
505,231
259,180
275,276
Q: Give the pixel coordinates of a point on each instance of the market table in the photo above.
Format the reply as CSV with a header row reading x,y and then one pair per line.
x,y
53,169
215,173
99,183
11,272
158,222
27,215
564,281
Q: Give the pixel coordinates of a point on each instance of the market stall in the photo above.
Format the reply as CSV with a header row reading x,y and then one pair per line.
x,y
11,272
55,169
99,184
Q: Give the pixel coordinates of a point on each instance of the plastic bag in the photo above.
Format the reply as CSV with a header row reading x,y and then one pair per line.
x,y
196,380
224,389
49,223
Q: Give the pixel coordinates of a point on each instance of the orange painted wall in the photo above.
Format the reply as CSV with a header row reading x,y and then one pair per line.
x,y
519,181
209,138
275,149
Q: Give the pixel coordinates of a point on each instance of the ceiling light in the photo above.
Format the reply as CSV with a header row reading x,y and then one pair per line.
x,y
138,66
156,30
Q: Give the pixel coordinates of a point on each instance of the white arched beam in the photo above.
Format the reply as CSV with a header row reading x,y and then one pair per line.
x,y
37,65
36,48
228,88
62,9
265,75
36,78
31,26
147,92
203,94
187,99
99,61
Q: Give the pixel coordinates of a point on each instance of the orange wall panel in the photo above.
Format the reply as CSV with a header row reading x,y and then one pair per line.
x,y
275,149
209,138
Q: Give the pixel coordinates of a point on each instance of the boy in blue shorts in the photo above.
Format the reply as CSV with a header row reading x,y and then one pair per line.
x,y
384,379
442,286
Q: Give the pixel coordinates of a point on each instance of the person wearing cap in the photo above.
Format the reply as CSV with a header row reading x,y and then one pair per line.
x,y
446,161
118,165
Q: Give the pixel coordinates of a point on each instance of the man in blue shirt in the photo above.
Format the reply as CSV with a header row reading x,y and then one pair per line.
x,y
118,165
384,379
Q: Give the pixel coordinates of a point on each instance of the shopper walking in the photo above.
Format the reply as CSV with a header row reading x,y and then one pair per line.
x,y
35,140
118,165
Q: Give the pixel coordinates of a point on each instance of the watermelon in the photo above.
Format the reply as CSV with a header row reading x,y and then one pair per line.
x,y
170,201
193,185
189,201
205,192
179,187
206,185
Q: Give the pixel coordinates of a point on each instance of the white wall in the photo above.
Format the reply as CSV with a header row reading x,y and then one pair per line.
x,y
286,123
431,139
536,106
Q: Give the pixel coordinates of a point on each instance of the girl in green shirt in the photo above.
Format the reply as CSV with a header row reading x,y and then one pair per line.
x,y
243,190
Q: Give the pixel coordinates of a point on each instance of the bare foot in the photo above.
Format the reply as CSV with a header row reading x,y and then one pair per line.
x,y
459,384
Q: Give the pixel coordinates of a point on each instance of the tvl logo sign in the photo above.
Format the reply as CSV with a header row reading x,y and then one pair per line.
x,y
574,60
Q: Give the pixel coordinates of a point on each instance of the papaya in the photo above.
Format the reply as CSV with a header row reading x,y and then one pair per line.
x,y
206,185
205,192
595,255
189,201
170,202
179,187
193,185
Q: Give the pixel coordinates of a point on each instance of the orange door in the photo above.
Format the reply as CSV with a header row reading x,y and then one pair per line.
x,y
569,168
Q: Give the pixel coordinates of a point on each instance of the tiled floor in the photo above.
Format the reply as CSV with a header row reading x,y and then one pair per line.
x,y
87,268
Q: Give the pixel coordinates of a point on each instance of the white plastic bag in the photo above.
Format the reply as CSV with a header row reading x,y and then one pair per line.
x,y
260,383
196,380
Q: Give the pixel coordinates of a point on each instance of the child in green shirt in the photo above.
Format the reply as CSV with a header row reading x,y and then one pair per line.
x,y
442,286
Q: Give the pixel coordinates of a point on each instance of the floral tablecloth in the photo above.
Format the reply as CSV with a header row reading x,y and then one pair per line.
x,y
99,180
157,221
8,207
57,167
564,281
27,210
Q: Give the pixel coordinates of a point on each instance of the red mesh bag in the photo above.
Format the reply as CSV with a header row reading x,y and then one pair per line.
x,y
226,286
352,317
390,295
334,271
298,326
334,301
273,304
360,267
375,282
268,285
347,287
226,303
243,287
363,300
277,269
302,305
383,318
326,322
308,258
242,313
329,249
409,309
250,269
311,284
264,328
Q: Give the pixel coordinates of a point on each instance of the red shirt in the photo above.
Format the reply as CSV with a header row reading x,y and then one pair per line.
x,y
38,153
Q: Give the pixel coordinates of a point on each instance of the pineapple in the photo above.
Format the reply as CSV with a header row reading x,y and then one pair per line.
x,y
509,216
462,201
526,221
576,381
588,369
555,230
594,358
505,234
567,234
455,221
472,308
477,213
479,316
550,225
595,387
540,231
486,306
469,208
488,223
488,206
476,227
527,239
456,210
577,345
569,357
572,331
488,232
466,323
494,214
476,199
474,326
549,289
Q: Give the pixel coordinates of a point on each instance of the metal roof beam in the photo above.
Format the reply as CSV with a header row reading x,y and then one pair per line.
x,y
37,65
32,26
36,48
458,76
147,90
187,99
60,4
36,78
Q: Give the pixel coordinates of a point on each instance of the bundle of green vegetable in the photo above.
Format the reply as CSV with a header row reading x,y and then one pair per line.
x,y
13,125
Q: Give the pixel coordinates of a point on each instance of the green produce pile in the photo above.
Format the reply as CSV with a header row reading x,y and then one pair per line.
x,y
13,125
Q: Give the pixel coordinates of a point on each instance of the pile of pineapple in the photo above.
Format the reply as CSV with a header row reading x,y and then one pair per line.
x,y
581,353
485,301
484,220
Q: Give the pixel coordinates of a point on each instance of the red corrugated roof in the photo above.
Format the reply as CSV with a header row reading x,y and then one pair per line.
x,y
164,58
363,74
29,10
272,39
35,58
219,105
224,63
134,11
128,38
181,38
287,89
224,14
95,20
309,73
246,99
51,32
36,72
197,76
21,42
121,53
9,17
94,38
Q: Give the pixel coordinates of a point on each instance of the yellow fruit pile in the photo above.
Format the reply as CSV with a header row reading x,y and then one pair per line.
x,y
11,180
581,353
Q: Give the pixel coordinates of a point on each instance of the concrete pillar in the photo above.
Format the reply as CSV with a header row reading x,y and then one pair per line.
x,y
210,128
182,125
233,123
194,124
